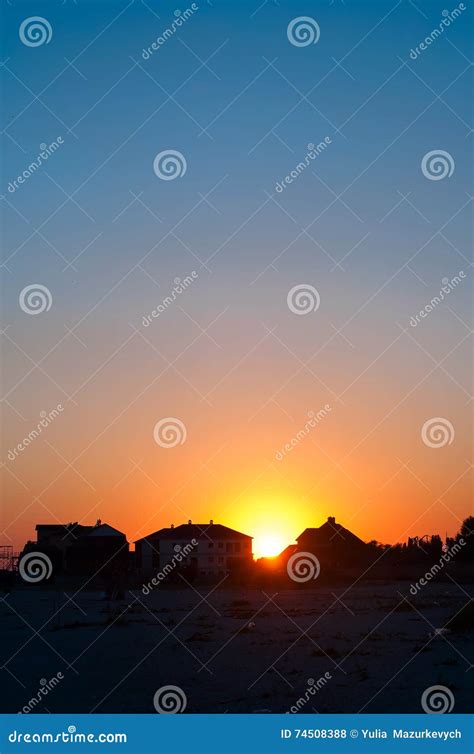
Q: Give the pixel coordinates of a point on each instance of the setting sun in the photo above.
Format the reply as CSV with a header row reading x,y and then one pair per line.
x,y
268,545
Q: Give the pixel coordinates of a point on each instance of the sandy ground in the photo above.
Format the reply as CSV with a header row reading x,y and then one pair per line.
x,y
235,650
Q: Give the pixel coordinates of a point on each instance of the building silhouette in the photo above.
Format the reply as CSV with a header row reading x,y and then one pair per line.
x,y
208,550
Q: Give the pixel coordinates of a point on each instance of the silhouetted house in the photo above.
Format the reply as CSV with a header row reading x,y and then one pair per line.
x,y
208,550
100,552
78,550
332,544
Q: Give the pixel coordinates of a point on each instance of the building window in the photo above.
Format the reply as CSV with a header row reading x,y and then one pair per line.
x,y
237,547
210,545
210,559
221,559
221,545
228,546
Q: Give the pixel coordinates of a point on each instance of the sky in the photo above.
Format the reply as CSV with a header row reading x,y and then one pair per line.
x,y
367,227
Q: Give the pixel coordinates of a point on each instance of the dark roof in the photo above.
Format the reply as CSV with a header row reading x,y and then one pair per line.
x,y
104,530
63,530
59,527
196,531
330,534
76,530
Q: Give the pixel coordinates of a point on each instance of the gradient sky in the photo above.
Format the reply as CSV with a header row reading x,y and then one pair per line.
x,y
244,387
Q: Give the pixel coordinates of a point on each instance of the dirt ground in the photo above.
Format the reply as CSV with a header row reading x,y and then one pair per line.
x,y
235,650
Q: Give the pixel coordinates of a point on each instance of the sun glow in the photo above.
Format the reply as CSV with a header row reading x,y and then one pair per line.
x,y
268,545
273,516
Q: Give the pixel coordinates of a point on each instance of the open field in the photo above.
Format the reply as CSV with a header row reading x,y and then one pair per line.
x,y
235,650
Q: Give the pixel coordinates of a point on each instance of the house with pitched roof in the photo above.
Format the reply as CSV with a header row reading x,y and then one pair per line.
x,y
209,550
78,550
332,543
